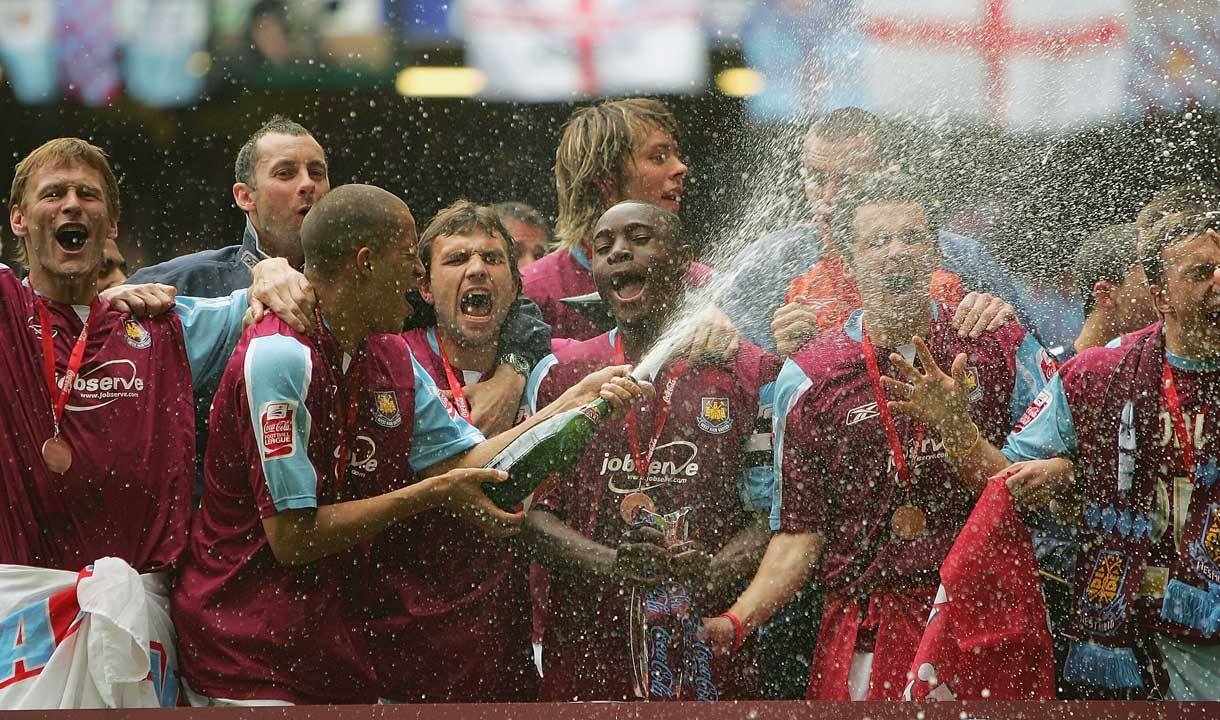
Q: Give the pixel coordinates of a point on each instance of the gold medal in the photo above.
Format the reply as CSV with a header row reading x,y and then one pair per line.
x,y
908,522
626,509
57,454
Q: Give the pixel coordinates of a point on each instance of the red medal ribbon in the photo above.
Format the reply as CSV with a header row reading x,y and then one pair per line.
x,y
887,420
60,393
455,386
1170,391
633,432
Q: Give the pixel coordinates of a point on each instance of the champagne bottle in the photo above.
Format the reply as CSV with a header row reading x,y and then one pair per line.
x,y
554,445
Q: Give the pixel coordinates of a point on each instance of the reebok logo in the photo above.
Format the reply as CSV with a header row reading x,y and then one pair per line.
x,y
862,413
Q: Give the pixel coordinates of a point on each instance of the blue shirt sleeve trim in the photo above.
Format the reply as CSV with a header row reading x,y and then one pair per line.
x,y
790,387
1029,378
756,483
535,381
211,328
278,371
1051,433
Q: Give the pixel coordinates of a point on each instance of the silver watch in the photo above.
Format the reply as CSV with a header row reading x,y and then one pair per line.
x,y
516,362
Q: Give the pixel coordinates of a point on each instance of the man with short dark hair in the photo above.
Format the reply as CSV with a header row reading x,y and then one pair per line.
x,y
874,527
837,149
697,446
1111,286
453,626
280,173
531,232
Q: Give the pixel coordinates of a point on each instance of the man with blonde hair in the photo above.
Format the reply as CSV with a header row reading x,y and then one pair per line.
x,y
610,152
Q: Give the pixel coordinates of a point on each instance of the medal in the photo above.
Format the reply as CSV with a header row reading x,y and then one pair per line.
x,y
56,452
908,521
633,501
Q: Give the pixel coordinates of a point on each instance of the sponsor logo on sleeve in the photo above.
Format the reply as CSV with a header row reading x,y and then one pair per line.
x,y
136,335
1047,364
386,412
714,415
277,425
867,411
1034,410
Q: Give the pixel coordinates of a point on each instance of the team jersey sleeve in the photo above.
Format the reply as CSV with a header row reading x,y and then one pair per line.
x,y
756,483
211,328
1034,368
440,433
788,470
277,372
1046,429
539,373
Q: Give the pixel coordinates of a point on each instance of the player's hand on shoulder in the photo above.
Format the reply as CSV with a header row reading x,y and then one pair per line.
x,y
142,301
641,557
461,492
794,325
284,291
978,313
715,339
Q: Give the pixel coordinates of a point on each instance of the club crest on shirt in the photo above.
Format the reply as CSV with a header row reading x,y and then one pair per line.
x,y
1205,552
973,385
386,412
714,415
277,425
136,335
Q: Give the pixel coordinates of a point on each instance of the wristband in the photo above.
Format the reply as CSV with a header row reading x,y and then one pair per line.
x,y
739,632
978,435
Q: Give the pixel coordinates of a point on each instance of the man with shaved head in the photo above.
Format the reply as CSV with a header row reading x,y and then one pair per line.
x,y
320,442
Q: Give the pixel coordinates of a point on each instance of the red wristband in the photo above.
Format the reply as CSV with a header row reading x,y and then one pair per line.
x,y
739,631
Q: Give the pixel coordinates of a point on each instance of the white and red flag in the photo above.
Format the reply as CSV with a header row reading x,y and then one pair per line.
x,y
541,50
988,635
1026,65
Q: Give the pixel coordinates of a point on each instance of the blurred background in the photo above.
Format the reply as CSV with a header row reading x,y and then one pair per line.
x,y
1039,120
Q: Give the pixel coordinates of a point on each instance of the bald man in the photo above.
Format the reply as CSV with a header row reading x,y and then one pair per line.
x,y
302,424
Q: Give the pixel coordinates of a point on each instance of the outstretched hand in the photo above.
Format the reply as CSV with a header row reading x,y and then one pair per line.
x,y
939,400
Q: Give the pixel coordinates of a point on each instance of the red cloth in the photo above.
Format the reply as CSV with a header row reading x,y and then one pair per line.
x,y
897,619
988,629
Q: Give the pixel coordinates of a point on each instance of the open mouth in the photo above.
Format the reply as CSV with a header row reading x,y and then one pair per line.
x,y
476,303
628,286
673,196
72,236
899,283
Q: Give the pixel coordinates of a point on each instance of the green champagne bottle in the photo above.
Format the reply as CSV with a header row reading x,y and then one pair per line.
x,y
554,445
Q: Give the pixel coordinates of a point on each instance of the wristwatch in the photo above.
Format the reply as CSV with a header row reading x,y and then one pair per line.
x,y
516,362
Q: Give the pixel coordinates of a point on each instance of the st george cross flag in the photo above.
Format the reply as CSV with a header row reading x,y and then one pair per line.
x,y
988,635
1026,65
100,638
542,50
